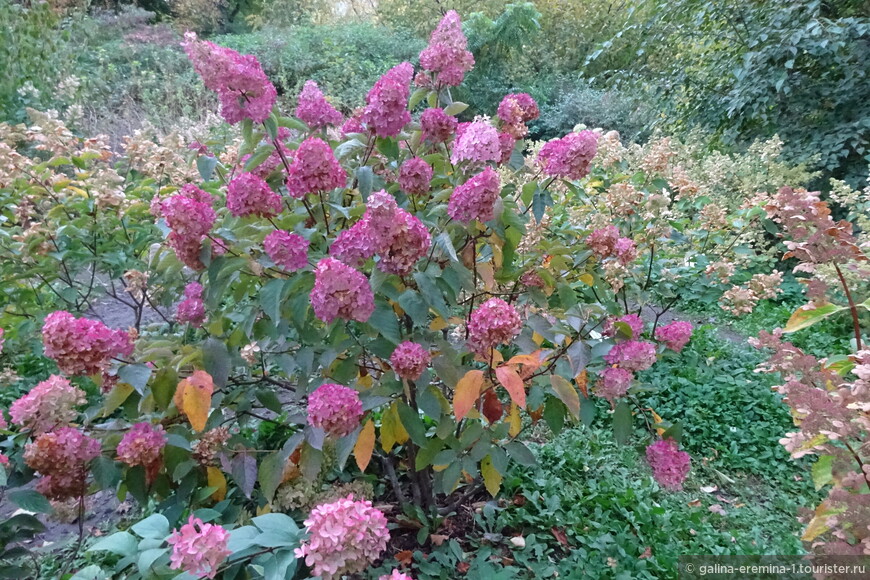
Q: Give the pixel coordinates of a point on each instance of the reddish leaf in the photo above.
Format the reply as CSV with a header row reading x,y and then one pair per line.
x,y
405,557
510,380
492,407
559,534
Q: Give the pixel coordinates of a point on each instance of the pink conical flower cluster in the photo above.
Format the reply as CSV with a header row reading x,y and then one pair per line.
x,y
81,346
288,251
242,87
314,110
569,157
447,57
475,199
409,360
492,323
415,176
344,537
314,168
675,335
386,112
250,195
334,408
61,457
192,308
198,548
514,111
613,383
632,355
341,292
385,230
142,445
190,216
476,142
670,466
634,322
48,405
437,126
607,243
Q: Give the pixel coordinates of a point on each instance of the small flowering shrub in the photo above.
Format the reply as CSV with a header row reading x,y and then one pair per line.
x,y
394,297
828,397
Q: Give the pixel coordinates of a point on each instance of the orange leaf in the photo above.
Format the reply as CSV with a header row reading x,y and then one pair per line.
x,y
582,380
216,479
467,392
511,381
193,398
365,445
529,360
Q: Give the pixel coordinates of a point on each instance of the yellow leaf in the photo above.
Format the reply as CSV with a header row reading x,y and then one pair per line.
x,y
582,380
497,255
567,394
515,421
365,381
491,476
193,398
467,392
438,324
365,445
392,430
658,420
511,381
807,316
266,509
819,524
537,338
116,397
587,279
216,479
487,274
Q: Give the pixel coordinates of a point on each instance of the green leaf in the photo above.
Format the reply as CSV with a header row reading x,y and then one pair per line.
x,y
540,201
216,360
444,242
383,320
413,424
120,543
270,473
622,422
136,376
520,453
155,526
455,108
206,165
31,501
148,557
415,307
804,316
821,471
106,472
432,294
364,179
163,387
270,298
271,125
554,414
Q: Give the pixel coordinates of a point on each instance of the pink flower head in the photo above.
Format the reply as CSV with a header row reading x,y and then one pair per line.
x,y
198,548
409,242
514,111
4,460
570,156
625,251
614,383
477,142
409,360
371,235
634,322
632,355
415,176
437,126
507,144
447,56
344,537
602,241
314,168
289,251
341,292
243,88
475,199
395,575
141,445
675,335
494,322
355,245
670,466
49,404
61,457
3,424
190,216
248,195
314,110
335,409
81,346
353,125
386,112
192,308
